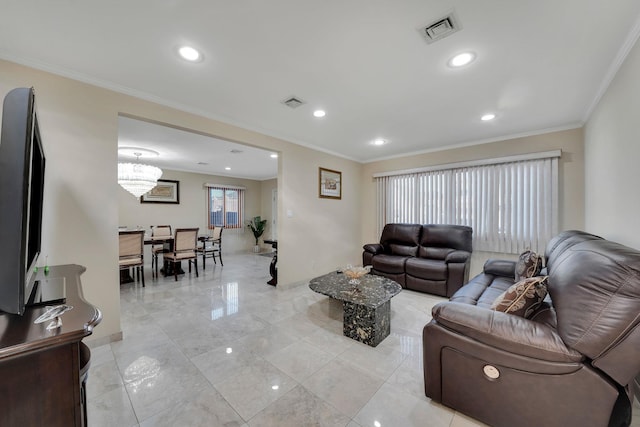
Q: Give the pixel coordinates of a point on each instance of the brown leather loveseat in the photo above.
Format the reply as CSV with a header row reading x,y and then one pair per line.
x,y
570,363
431,258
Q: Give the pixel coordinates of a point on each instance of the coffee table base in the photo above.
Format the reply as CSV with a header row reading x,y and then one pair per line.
x,y
367,325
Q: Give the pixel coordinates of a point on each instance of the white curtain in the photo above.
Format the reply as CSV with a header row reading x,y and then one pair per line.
x,y
511,206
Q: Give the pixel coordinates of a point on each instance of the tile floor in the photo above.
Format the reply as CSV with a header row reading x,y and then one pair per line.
x,y
225,349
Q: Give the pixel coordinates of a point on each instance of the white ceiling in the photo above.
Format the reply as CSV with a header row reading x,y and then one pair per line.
x,y
181,150
541,64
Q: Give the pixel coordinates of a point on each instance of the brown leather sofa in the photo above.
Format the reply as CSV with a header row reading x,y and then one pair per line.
x,y
431,258
571,363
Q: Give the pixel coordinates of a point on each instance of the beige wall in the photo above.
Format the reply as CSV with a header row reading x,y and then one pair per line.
x,y
612,153
80,203
79,131
321,234
571,177
192,209
267,188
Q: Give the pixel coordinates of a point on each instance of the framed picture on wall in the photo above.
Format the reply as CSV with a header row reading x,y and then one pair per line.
x,y
330,184
167,191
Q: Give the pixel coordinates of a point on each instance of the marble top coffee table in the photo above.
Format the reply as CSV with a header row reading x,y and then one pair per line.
x,y
367,305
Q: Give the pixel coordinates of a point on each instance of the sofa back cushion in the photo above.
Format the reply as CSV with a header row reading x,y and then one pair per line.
x,y
401,239
595,288
563,241
438,240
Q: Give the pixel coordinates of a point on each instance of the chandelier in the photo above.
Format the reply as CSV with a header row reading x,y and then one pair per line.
x,y
137,178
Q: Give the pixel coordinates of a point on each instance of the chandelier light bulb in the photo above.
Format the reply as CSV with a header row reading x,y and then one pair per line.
x,y
138,178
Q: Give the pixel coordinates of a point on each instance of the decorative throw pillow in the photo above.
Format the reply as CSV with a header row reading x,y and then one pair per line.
x,y
522,298
529,264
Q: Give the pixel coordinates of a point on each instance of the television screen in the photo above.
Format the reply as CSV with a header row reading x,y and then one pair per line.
x,y
22,167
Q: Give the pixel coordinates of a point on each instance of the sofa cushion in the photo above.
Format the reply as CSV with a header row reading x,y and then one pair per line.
x,y
424,268
447,236
482,290
529,264
438,240
522,298
435,253
401,239
604,277
402,250
389,263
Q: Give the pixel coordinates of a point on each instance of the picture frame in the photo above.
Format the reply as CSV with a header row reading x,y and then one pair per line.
x,y
167,191
330,184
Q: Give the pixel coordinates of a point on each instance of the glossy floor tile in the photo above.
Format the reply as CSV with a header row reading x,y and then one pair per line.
x,y
226,349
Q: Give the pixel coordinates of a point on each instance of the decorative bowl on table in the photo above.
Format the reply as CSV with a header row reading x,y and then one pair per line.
x,y
355,273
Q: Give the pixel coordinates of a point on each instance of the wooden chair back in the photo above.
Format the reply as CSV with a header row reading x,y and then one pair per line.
x,y
186,239
131,243
216,234
161,231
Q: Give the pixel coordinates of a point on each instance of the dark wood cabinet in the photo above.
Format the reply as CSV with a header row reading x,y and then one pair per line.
x,y
43,372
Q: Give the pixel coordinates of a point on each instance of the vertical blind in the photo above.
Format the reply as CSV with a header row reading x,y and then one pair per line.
x,y
225,206
511,205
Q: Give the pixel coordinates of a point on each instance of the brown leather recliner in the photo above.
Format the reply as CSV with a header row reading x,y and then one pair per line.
x,y
431,258
570,364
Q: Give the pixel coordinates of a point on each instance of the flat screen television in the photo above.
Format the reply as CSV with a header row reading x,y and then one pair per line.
x,y
22,164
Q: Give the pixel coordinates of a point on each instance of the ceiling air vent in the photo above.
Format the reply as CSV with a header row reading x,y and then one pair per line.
x,y
293,102
441,28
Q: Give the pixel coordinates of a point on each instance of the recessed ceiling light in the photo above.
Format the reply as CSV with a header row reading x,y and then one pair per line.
x,y
462,59
488,117
189,53
379,141
319,113
227,168
274,156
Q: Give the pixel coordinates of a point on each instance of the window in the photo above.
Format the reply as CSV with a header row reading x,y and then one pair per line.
x,y
510,203
225,206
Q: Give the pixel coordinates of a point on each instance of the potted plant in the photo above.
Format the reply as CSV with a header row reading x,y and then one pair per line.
x,y
257,226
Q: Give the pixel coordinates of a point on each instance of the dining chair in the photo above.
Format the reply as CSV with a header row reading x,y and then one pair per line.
x,y
131,251
158,231
212,246
185,244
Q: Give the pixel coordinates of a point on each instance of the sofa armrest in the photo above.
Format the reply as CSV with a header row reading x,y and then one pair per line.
x,y
500,267
508,332
374,248
457,256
